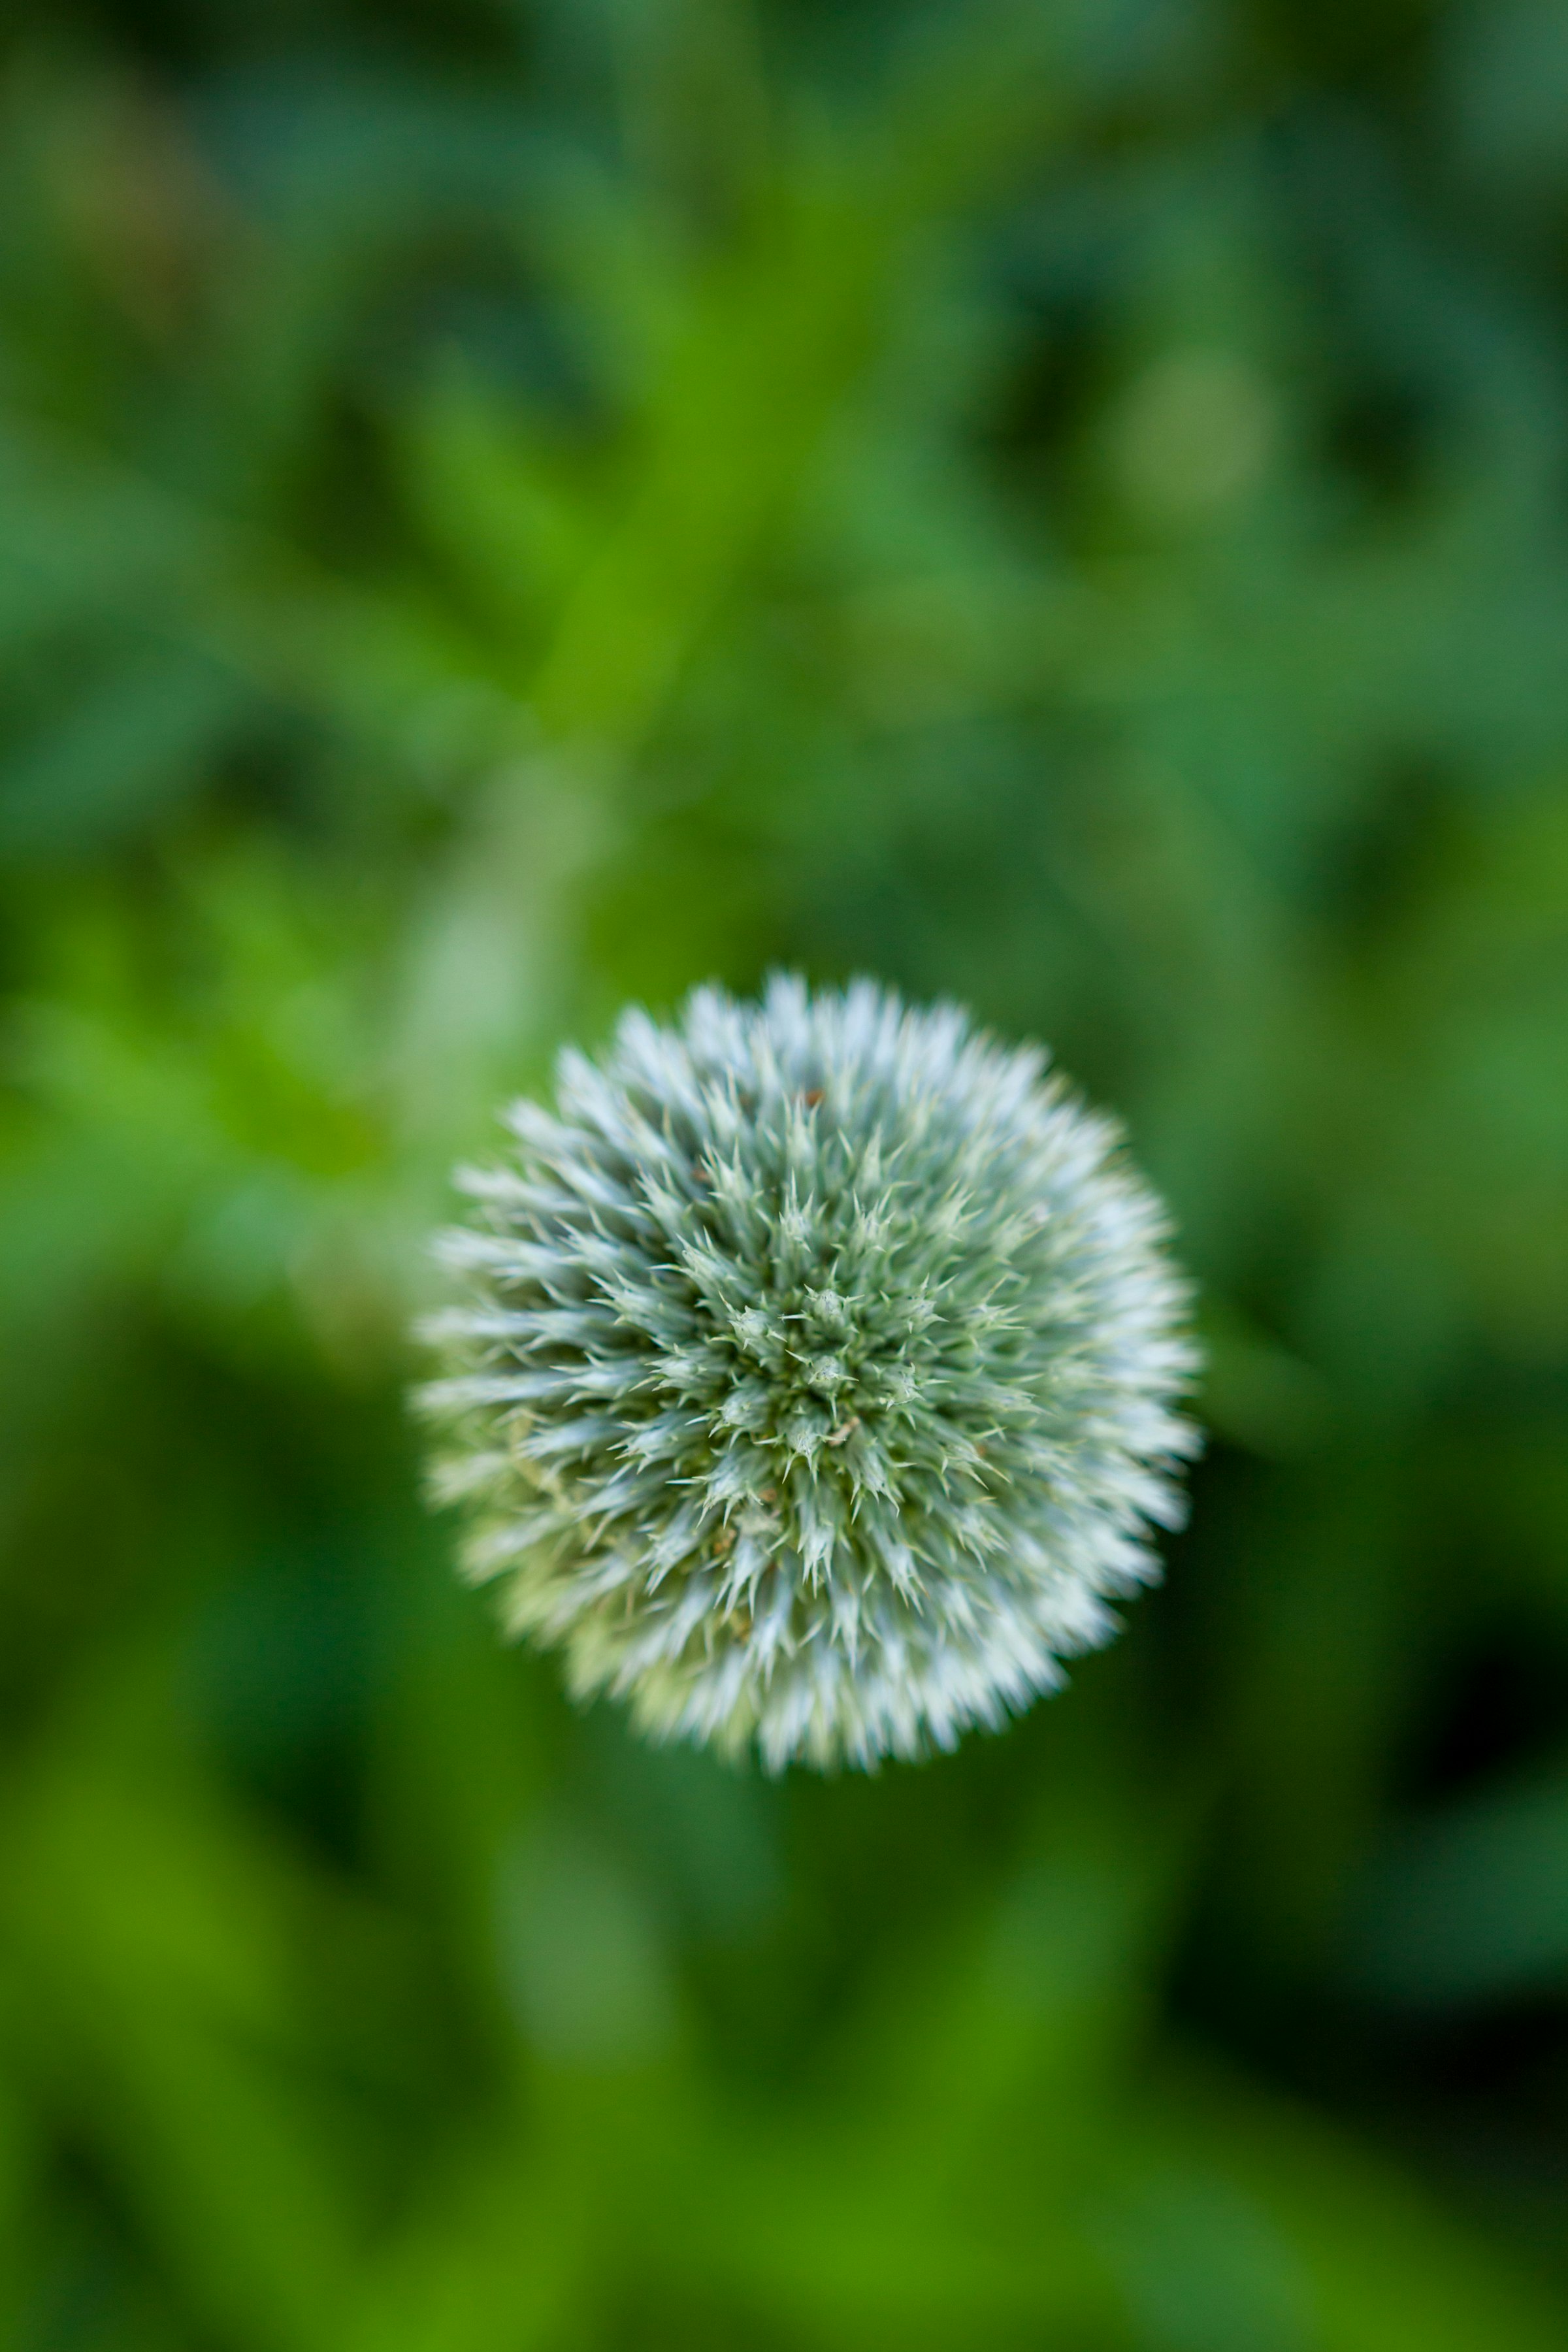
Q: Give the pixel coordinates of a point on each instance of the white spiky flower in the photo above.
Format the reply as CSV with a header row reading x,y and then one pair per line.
x,y
817,1383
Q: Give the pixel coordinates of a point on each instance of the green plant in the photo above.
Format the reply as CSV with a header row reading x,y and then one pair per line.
x,y
817,1379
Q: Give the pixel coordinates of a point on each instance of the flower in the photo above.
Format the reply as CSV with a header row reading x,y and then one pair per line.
x,y
817,1382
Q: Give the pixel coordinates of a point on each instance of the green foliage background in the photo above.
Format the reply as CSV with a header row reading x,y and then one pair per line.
x,y
516,504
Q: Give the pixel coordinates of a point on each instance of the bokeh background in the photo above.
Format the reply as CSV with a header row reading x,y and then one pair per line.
x,y
507,506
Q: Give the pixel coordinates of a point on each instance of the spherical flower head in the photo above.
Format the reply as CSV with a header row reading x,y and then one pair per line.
x,y
817,1383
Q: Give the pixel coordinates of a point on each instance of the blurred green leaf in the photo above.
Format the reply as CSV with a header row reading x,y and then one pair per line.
x,y
1471,1903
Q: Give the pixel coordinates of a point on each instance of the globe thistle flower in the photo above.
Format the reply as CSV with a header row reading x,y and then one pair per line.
x,y
817,1377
